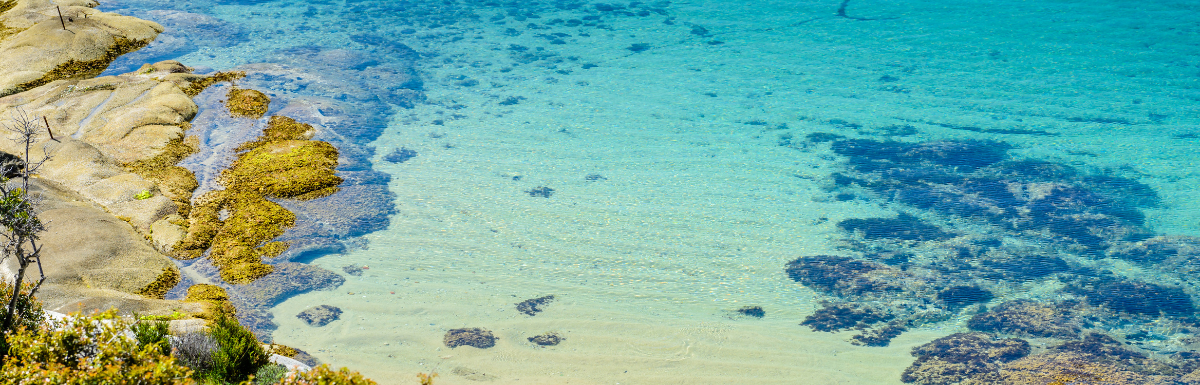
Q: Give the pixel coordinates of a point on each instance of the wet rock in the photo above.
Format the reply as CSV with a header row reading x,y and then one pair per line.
x,y
959,296
841,275
878,337
1174,250
287,279
546,339
1073,368
962,356
476,337
837,317
531,307
867,155
905,227
183,33
752,311
1137,297
320,315
1099,346
1028,319
354,270
400,155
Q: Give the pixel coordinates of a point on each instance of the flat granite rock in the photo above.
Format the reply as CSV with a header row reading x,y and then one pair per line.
x,y
103,124
35,49
94,261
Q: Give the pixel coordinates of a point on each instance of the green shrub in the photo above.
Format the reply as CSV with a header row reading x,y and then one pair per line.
x,y
152,333
270,374
194,350
239,354
86,350
29,311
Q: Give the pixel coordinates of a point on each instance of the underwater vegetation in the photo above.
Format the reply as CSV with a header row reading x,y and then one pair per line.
x,y
1017,222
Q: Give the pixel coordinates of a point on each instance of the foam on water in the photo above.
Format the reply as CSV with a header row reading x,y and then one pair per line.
x,y
675,139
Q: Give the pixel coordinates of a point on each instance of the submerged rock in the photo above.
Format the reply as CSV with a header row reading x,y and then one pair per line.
x,y
962,356
475,337
320,315
546,339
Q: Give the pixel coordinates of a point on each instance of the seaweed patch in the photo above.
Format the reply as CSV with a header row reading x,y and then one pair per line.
x,y
281,163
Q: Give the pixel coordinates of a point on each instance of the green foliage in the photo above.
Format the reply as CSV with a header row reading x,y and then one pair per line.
x,y
173,316
29,313
86,350
16,213
145,194
322,375
270,374
153,333
239,354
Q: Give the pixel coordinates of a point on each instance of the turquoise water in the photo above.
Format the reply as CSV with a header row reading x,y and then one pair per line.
x,y
659,166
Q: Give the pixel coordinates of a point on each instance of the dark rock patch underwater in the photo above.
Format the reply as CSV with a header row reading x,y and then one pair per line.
x,y
1018,224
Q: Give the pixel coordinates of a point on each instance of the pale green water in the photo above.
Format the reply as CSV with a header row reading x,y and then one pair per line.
x,y
700,206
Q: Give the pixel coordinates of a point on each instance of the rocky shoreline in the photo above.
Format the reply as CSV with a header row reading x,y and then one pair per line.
x,y
157,173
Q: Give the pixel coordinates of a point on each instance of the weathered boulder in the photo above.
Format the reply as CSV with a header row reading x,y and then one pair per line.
x,y
36,49
93,260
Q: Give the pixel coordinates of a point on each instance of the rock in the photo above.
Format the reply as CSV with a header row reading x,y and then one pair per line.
x,y
546,339
962,356
115,267
287,280
477,337
530,306
320,316
37,50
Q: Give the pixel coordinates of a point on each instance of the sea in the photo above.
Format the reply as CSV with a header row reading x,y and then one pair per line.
x,y
718,191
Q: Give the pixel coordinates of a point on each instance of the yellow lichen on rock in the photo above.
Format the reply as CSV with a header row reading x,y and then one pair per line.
x,y
204,222
176,183
75,69
252,223
212,295
280,128
281,163
247,103
196,87
161,285
287,169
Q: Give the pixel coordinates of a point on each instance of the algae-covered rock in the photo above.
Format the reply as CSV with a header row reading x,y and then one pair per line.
x,y
247,103
36,49
214,298
962,356
287,169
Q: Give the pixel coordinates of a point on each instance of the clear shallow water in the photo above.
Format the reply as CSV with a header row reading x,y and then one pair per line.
x,y
697,119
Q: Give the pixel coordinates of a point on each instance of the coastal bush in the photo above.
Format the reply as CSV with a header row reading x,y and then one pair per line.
x,y
152,333
270,374
194,350
29,313
323,375
238,355
87,350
